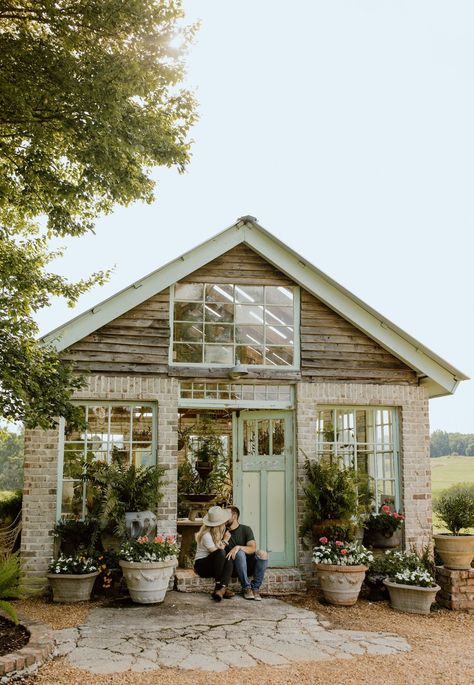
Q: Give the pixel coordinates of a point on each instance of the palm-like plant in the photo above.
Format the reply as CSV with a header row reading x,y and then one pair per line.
x,y
11,584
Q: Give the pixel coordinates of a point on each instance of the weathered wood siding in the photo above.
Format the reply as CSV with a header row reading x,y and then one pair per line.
x,y
331,348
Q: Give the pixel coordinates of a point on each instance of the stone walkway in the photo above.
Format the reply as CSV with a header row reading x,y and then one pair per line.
x,y
190,631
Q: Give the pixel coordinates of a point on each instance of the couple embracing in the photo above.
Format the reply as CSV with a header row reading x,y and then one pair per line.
x,y
226,548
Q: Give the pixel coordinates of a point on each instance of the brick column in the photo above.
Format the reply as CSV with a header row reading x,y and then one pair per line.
x,y
457,589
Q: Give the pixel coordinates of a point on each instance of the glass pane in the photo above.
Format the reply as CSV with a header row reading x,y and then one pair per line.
x,y
263,437
218,354
74,434
188,332
277,335
219,333
278,436
142,456
248,314
120,454
222,313
142,424
280,356
252,334
188,291
97,424
185,311
73,460
220,293
71,503
198,391
192,354
246,354
250,442
279,315
120,424
249,294
224,392
278,295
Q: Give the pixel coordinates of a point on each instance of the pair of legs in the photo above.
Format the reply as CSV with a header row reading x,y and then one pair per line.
x,y
255,565
216,566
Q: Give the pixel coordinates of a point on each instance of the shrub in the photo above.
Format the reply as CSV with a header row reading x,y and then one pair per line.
x,y
455,507
10,506
11,583
77,535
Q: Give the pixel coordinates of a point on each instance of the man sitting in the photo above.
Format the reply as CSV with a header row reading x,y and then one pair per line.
x,y
248,561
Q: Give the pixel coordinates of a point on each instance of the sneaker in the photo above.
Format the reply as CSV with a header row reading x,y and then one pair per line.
x,y
248,593
257,596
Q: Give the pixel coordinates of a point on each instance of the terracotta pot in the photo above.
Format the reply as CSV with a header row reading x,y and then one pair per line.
x,y
341,584
68,587
456,551
375,538
147,582
412,599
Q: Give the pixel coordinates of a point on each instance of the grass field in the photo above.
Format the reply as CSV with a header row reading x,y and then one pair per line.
x,y
447,471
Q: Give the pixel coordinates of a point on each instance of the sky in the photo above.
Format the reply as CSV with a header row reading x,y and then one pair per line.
x,y
347,129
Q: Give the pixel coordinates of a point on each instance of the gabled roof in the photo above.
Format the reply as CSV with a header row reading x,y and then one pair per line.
x,y
435,373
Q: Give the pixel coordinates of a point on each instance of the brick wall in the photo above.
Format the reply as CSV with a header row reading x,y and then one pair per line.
x,y
414,443
457,589
41,462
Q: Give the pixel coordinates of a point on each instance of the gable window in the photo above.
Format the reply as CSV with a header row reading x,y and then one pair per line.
x,y
115,433
230,324
366,439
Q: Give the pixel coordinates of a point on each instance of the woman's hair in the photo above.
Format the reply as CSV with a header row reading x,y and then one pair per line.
x,y
217,532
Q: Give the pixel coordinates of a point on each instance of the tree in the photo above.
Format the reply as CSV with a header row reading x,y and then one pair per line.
x,y
11,460
89,103
439,444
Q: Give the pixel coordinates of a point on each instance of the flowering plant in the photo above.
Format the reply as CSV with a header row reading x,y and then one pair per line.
x,y
341,553
160,548
406,568
77,564
418,576
385,522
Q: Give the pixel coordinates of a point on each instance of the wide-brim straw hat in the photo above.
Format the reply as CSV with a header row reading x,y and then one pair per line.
x,y
216,516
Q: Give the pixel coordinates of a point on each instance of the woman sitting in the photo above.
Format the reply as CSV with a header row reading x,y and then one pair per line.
x,y
210,560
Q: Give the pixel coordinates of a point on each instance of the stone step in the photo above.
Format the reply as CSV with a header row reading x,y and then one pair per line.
x,y
278,581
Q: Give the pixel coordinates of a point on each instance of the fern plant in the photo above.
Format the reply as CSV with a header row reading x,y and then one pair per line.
x,y
11,584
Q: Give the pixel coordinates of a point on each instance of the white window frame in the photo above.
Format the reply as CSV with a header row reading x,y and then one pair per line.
x,y
207,365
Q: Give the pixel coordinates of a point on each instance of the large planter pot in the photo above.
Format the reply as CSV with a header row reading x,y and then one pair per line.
x,y
147,582
374,538
341,584
411,598
139,523
456,551
68,587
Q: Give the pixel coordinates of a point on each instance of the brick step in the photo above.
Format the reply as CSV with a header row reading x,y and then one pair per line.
x,y
278,581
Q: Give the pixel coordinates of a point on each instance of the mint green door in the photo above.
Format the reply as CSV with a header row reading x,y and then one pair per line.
x,y
264,480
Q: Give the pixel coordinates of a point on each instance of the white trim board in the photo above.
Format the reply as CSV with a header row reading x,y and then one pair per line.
x,y
439,377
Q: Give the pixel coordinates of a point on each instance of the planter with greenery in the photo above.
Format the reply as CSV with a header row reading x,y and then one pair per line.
x,y
147,566
410,582
72,577
455,508
384,530
341,568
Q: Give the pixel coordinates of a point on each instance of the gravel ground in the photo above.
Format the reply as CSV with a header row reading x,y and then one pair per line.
x,y
442,651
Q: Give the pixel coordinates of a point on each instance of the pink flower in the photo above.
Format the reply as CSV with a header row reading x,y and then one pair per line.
x,y
343,551
323,540
386,509
159,539
338,543
170,539
142,540
396,515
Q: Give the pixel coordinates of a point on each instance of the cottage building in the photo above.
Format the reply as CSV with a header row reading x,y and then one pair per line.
x,y
287,363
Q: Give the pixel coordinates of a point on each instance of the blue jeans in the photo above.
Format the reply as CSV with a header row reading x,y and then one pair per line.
x,y
246,565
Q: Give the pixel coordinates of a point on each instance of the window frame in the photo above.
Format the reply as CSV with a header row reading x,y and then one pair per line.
x,y
100,403
214,365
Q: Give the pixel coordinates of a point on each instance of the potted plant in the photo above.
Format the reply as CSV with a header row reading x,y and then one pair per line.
x,y
384,529
341,568
330,494
411,585
72,577
455,508
147,566
207,446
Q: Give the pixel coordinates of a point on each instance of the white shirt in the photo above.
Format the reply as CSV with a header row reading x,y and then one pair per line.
x,y
205,547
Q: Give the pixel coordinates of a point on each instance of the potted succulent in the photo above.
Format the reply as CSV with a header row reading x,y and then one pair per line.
x,y
147,566
411,585
455,508
72,577
384,529
341,568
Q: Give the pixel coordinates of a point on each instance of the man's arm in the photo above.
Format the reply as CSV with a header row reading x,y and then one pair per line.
x,y
249,548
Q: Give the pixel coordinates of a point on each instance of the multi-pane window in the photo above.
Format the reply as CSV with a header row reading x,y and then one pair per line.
x,y
367,440
233,324
120,433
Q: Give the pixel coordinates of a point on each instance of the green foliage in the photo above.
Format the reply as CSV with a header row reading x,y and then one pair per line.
x,y
330,492
10,506
455,507
385,522
11,460
11,584
89,104
443,444
76,535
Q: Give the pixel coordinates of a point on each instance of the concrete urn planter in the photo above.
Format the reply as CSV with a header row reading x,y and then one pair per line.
x,y
69,587
456,551
148,581
412,599
341,584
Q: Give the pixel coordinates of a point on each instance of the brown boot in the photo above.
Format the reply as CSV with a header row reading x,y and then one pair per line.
x,y
219,594
228,593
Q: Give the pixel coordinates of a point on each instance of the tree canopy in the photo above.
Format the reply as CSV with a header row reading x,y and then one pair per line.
x,y
90,102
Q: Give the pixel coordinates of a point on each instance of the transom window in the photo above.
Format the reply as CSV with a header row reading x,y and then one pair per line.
x,y
121,433
367,440
233,324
